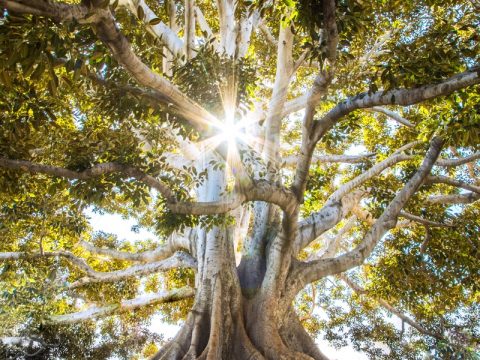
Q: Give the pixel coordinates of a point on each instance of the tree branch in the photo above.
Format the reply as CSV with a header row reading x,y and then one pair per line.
x,y
93,172
178,260
359,290
267,33
338,204
310,271
182,260
453,182
423,221
291,160
459,161
106,29
124,305
174,243
395,97
189,29
330,27
167,36
467,198
392,115
273,119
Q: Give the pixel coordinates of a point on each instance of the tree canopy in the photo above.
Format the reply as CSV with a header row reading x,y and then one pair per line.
x,y
322,157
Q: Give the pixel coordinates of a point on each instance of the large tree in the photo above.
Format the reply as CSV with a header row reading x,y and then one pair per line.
x,y
286,154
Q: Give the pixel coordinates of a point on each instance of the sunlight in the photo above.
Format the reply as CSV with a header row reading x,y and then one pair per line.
x,y
229,131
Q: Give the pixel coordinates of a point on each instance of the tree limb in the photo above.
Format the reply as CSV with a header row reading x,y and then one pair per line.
x,y
167,36
124,305
189,29
106,29
359,290
267,33
392,115
90,173
338,204
178,260
395,97
291,160
330,28
423,221
174,243
459,161
466,198
453,182
310,271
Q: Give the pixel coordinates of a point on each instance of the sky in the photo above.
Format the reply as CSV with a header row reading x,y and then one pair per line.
x,y
114,224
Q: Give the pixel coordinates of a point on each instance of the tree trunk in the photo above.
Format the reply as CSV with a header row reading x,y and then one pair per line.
x,y
225,324
232,318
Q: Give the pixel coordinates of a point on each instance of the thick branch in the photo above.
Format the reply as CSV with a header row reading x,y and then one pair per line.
x,y
279,94
131,304
330,27
106,29
395,97
182,260
189,29
167,36
311,271
338,204
179,260
174,243
467,198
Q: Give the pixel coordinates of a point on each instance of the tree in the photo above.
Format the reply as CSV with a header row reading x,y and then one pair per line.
x,y
228,129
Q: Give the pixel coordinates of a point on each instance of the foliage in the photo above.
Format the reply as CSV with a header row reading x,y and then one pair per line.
x,y
65,101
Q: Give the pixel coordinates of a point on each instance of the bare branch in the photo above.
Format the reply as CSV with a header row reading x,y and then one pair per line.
x,y
125,305
392,115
